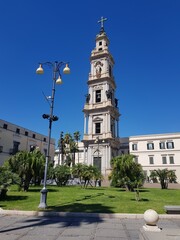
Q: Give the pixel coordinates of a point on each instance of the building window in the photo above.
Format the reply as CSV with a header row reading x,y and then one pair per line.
x,y
150,146
100,49
17,130
44,139
5,126
151,159
97,127
100,43
26,133
98,96
162,145
136,159
170,145
171,159
134,146
15,147
164,160
34,135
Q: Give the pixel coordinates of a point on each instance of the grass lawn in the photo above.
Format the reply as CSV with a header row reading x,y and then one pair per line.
x,y
99,200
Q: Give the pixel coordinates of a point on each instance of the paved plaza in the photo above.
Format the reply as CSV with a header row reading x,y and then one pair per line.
x,y
77,227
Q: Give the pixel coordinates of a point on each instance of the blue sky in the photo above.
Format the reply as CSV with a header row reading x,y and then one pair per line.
x,y
144,41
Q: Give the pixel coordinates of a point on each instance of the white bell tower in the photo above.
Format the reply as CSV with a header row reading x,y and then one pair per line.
x,y
101,113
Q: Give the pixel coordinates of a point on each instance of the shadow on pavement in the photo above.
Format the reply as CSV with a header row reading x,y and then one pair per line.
x,y
58,221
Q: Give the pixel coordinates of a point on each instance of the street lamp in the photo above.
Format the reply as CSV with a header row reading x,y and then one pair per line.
x,y
56,66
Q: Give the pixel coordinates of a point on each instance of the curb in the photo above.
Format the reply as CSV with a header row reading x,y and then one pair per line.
x,y
80,214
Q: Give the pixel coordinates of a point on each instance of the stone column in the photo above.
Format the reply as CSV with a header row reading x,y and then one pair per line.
x,y
85,120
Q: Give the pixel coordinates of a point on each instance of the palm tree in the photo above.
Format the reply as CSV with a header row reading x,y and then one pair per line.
x,y
28,166
98,177
67,139
38,162
73,150
21,163
77,138
126,172
164,176
87,174
77,171
61,174
172,176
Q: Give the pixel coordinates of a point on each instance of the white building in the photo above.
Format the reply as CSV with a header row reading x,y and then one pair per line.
x,y
79,156
157,151
14,138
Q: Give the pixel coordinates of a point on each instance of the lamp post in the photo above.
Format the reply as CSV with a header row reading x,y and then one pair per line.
x,y
56,66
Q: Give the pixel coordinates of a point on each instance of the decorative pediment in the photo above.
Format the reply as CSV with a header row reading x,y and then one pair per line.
x,y
97,119
98,87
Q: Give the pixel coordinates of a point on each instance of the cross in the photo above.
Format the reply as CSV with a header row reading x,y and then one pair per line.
x,y
102,22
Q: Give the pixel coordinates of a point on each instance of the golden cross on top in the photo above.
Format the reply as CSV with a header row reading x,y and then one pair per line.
x,y
102,22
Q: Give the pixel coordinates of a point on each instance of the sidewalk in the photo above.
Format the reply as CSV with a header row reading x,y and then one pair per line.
x,y
74,226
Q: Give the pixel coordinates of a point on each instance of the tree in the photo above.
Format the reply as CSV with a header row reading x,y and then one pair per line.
x,y
73,150
61,146
86,173
153,177
126,172
67,139
61,174
77,171
70,149
77,138
164,176
89,173
21,163
6,178
28,166
98,177
38,162
172,177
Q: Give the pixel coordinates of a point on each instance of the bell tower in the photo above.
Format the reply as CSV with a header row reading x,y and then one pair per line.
x,y
101,113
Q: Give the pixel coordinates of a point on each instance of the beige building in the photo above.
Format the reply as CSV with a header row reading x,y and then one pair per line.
x,y
14,138
157,151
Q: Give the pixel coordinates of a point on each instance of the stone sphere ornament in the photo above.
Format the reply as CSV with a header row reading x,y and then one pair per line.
x,y
151,217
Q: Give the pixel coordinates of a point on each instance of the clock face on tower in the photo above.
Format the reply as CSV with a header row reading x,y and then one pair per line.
x,y
98,66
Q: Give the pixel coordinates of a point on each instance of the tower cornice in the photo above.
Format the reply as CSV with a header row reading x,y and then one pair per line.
x,y
93,81
100,54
